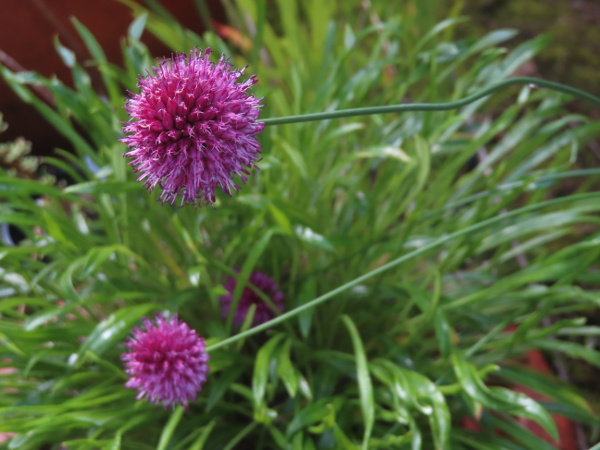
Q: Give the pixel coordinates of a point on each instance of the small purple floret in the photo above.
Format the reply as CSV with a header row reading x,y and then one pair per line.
x,y
192,128
167,362
263,311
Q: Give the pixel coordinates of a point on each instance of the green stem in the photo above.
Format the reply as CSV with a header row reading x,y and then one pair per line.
x,y
437,243
435,106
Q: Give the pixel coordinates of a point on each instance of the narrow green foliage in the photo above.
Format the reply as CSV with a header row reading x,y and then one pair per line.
x,y
424,254
364,380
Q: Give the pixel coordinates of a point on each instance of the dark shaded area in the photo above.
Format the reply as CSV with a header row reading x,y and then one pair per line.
x,y
573,56
27,30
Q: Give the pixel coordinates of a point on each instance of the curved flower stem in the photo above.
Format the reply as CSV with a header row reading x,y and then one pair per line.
x,y
434,244
435,106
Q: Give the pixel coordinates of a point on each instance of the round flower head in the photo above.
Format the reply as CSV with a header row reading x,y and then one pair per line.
x,y
166,362
192,128
263,312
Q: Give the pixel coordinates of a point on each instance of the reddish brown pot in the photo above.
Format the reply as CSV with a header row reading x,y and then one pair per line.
x,y
27,30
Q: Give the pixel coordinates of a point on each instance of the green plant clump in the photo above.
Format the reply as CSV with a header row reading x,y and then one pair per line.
x,y
441,247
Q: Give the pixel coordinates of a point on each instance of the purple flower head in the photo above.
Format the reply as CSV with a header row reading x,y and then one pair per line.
x,y
166,362
192,128
263,311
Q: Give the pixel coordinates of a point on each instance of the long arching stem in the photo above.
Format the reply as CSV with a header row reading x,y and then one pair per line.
x,y
442,240
434,244
406,107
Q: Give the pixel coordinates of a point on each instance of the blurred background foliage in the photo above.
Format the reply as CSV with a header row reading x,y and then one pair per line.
x,y
434,353
573,57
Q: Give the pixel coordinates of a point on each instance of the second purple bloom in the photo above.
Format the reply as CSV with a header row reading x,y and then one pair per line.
x,y
264,312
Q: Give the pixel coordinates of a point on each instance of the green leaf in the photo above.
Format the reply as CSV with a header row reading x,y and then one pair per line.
x,y
261,370
498,398
523,436
239,436
115,443
137,27
312,413
286,370
314,239
572,349
307,292
551,387
417,393
66,55
365,385
112,330
201,440
169,428
100,59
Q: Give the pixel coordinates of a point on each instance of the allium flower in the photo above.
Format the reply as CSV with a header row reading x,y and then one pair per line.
x,y
192,128
263,311
166,362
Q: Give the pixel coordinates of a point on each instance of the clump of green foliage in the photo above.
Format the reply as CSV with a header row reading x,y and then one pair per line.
x,y
402,359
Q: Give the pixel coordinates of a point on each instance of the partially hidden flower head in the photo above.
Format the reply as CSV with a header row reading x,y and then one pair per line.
x,y
166,362
192,128
263,312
